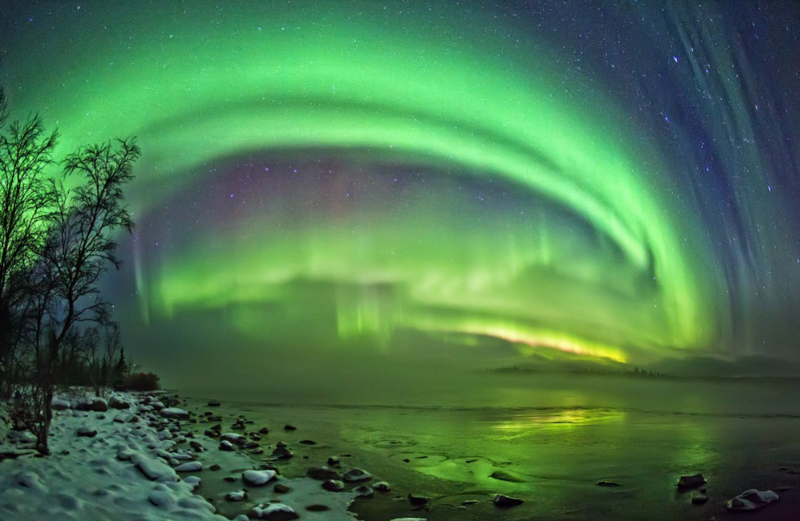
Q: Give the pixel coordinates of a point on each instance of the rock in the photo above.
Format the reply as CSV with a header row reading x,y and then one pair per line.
x,y
230,479
232,437
124,455
363,491
263,430
273,512
691,481
211,433
322,473
381,486
280,488
280,444
333,485
469,502
59,405
239,495
308,442
251,445
153,469
699,499
334,461
214,403
116,403
289,428
506,476
192,466
87,432
162,499
317,508
751,499
282,453
174,412
355,474
418,500
602,483
215,467
226,446
194,481
257,478
99,405
506,501
257,452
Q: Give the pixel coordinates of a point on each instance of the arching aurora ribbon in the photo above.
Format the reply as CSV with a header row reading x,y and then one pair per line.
x,y
425,94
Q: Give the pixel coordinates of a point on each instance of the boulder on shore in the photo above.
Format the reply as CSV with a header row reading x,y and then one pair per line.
x,y
59,405
191,466
381,486
333,485
257,478
153,469
273,512
239,495
418,500
751,499
174,412
356,474
116,403
87,432
692,481
506,501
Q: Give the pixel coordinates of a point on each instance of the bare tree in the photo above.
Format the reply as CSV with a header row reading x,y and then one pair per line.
x,y
27,198
79,249
99,346
112,344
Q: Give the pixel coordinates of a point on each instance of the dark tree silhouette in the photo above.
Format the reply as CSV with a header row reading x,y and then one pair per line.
x,y
79,249
27,198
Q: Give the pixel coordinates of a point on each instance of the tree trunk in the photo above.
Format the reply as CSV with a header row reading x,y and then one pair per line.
x,y
43,434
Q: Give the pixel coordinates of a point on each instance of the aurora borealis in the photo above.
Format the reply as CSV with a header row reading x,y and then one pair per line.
x,y
612,179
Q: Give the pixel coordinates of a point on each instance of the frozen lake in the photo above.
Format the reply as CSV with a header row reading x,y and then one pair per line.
x,y
551,439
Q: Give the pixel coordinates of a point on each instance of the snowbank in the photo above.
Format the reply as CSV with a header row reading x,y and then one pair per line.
x,y
112,475
140,465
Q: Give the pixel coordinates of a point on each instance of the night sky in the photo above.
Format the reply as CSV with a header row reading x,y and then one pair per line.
x,y
613,179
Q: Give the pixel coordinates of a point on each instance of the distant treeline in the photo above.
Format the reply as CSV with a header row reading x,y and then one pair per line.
x,y
635,372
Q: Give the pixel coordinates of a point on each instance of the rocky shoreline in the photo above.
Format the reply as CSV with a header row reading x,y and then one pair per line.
x,y
159,456
165,460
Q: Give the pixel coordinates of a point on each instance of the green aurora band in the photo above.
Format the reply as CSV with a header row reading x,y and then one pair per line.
x,y
425,93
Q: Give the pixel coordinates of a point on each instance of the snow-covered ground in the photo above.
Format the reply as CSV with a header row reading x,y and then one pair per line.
x,y
140,465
